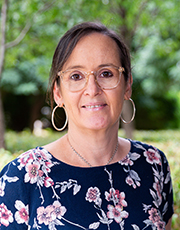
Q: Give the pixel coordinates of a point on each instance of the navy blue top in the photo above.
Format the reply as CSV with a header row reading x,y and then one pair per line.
x,y
37,191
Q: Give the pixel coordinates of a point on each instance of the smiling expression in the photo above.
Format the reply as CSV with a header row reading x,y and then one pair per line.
x,y
93,108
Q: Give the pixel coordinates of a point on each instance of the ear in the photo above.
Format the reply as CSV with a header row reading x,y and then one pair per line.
x,y
128,90
57,94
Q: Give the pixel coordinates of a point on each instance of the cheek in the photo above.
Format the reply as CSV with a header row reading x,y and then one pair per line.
x,y
118,99
117,104
71,102
118,108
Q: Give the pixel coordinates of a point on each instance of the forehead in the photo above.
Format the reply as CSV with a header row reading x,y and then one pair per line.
x,y
93,50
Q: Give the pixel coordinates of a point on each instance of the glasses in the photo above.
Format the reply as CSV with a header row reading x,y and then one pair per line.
x,y
107,77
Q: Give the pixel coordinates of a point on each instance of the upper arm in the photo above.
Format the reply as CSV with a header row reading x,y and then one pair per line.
x,y
13,199
168,225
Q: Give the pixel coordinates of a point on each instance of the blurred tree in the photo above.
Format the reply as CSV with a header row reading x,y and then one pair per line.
x,y
2,53
16,21
157,66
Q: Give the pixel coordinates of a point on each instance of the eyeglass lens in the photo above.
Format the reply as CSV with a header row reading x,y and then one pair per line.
x,y
106,78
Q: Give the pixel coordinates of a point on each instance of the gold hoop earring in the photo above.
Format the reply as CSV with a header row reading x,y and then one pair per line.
x,y
52,118
134,111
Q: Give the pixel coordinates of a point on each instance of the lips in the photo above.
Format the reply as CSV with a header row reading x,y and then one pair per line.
x,y
94,106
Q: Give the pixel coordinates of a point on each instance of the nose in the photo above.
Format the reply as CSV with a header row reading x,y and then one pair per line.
x,y
92,87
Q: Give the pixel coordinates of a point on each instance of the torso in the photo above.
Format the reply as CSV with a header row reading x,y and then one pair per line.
x,y
124,195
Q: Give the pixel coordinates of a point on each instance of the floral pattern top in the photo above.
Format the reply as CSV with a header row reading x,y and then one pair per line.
x,y
37,191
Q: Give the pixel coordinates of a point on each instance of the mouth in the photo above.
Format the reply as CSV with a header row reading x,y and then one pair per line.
x,y
94,106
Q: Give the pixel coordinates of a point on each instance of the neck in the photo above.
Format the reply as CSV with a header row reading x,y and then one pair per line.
x,y
86,161
96,147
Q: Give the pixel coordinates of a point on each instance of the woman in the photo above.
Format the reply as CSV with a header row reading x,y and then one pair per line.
x,y
90,178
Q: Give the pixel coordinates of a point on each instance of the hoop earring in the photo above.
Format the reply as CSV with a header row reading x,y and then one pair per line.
x,y
134,111
52,118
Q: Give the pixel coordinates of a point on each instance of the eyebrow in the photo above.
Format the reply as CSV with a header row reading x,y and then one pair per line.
x,y
75,67
107,64
99,66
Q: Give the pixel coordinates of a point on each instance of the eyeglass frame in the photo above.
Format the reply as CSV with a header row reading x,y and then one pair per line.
x,y
86,74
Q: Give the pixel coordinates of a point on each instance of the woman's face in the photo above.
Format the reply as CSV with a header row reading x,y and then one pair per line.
x,y
93,108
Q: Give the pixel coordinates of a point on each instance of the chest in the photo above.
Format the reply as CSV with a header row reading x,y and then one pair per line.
x,y
117,197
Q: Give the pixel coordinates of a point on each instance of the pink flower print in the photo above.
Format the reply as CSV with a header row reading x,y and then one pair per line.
x,y
120,197
138,183
43,154
130,182
109,195
50,213
45,158
116,196
154,217
152,156
93,195
21,216
48,182
126,161
58,210
25,158
48,166
44,214
33,172
160,225
116,213
6,215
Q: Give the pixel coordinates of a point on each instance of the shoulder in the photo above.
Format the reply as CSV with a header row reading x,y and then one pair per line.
x,y
36,155
20,176
32,158
152,154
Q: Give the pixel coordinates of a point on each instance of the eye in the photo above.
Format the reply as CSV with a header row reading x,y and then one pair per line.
x,y
106,74
76,76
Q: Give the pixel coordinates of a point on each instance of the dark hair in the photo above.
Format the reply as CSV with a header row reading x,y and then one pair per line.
x,y
68,42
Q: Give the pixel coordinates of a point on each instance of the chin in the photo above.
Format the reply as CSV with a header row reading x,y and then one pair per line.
x,y
97,123
97,126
